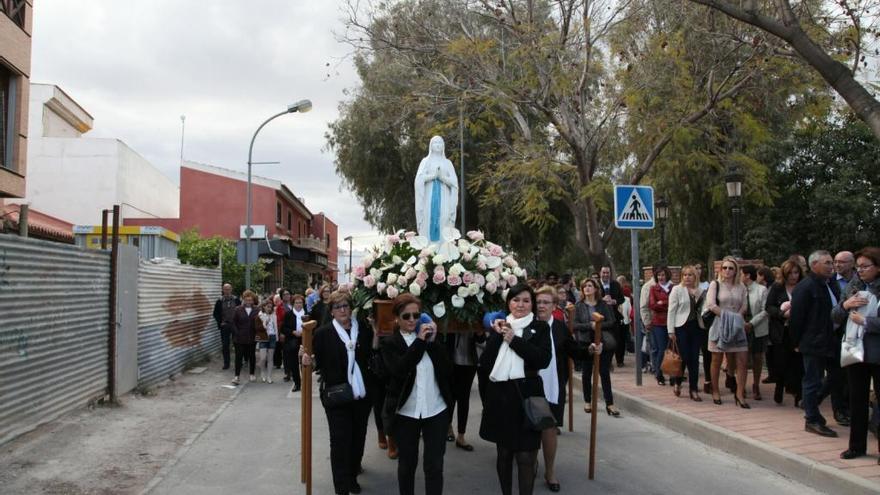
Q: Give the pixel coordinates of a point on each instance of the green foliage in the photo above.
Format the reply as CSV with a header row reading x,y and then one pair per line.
x,y
828,197
198,251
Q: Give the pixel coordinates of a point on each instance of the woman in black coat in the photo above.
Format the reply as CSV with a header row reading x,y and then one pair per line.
x,y
418,395
564,348
321,310
787,360
516,349
591,302
243,333
341,355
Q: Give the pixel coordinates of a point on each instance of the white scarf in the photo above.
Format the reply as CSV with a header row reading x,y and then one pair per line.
x,y
550,374
355,379
508,364
299,318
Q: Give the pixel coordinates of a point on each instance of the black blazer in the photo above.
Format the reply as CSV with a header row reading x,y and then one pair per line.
x,y
243,330
400,363
810,321
331,357
288,325
778,324
320,313
533,347
616,293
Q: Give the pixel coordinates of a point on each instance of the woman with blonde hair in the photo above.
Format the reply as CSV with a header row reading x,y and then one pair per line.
x,y
726,299
266,337
682,323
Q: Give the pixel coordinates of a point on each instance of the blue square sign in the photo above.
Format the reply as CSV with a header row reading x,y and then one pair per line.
x,y
634,207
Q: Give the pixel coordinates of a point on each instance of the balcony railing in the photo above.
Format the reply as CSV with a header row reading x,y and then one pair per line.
x,y
15,10
312,243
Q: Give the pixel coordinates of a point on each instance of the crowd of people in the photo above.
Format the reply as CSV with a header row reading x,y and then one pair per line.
x,y
792,317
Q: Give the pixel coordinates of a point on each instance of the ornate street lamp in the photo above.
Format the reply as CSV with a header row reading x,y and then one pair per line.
x,y
733,179
662,212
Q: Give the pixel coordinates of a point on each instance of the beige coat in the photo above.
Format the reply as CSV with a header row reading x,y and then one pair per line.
x,y
679,308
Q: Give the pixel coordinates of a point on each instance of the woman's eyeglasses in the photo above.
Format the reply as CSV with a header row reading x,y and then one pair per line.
x,y
728,268
862,268
341,306
409,316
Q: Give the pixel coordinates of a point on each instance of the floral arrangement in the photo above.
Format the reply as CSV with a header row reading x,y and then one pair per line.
x,y
464,277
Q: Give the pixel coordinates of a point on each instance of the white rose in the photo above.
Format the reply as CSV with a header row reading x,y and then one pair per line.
x,y
396,260
480,297
518,272
457,302
376,273
414,289
438,259
457,269
439,309
463,291
473,289
493,262
491,277
464,246
391,278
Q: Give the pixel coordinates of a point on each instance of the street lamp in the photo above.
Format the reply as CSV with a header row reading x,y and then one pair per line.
x,y
733,179
662,207
350,268
301,106
537,252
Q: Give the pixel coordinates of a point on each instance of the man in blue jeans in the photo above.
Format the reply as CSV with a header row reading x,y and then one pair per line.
x,y
811,326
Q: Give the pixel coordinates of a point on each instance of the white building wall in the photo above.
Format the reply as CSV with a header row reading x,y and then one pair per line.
x,y
357,257
142,190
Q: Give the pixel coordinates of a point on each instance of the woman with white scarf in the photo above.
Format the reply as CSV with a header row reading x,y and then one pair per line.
x,y
555,376
516,349
341,353
291,330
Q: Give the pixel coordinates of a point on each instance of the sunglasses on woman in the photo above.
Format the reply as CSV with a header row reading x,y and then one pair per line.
x,y
409,316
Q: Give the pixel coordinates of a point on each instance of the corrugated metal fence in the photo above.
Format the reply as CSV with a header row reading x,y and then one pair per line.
x,y
54,308
175,326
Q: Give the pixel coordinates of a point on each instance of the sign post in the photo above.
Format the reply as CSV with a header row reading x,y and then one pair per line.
x,y
634,210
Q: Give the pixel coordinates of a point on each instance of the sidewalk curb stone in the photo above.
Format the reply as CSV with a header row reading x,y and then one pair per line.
x,y
811,473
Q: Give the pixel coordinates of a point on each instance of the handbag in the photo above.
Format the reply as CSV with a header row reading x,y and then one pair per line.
x,y
337,395
708,317
672,361
536,409
852,351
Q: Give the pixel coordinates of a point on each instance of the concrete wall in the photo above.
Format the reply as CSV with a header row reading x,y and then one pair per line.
x,y
142,190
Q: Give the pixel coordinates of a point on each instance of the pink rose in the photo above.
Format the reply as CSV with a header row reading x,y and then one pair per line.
x,y
392,292
369,281
440,269
422,276
360,271
422,283
453,280
511,280
467,256
479,280
495,250
439,277
410,273
409,235
475,235
481,265
425,253
467,278
491,287
380,287
393,238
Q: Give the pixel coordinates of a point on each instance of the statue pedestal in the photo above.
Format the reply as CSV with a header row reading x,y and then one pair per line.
x,y
383,316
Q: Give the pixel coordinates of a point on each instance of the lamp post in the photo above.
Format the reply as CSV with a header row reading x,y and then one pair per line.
x,y
301,106
662,207
350,268
537,252
733,179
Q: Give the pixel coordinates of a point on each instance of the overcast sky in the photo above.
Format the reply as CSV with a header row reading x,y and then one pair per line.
x,y
137,65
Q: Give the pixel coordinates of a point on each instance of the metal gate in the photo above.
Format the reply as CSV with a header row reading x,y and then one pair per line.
x,y
54,308
175,323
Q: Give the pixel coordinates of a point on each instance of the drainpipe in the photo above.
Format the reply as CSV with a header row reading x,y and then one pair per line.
x,y
23,220
111,340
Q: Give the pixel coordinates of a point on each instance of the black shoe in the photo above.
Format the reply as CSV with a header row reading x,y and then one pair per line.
x,y
553,487
768,380
661,381
730,383
286,378
851,454
841,418
619,365
820,430
354,487
295,388
741,403
225,366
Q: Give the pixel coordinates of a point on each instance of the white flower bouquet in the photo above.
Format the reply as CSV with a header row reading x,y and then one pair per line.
x,y
461,277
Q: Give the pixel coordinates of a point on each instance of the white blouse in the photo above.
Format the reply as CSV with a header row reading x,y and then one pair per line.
x,y
425,400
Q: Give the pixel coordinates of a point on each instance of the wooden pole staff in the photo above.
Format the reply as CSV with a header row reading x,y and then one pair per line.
x,y
597,339
570,311
306,412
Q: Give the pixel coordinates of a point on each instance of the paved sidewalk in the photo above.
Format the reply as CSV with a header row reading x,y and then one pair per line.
x,y
770,435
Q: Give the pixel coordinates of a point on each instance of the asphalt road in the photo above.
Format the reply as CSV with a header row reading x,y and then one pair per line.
x,y
252,448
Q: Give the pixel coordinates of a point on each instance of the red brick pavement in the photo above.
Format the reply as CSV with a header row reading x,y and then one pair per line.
x,y
779,426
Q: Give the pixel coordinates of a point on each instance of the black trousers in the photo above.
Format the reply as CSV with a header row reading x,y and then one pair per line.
x,y
278,356
462,382
225,340
860,376
376,391
291,367
433,432
242,351
621,335
604,376
348,432
707,356
770,360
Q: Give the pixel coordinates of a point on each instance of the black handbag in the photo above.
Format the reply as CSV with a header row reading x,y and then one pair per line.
x,y
337,395
708,317
536,409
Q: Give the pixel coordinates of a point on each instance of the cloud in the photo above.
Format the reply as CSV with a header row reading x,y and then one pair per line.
x,y
137,66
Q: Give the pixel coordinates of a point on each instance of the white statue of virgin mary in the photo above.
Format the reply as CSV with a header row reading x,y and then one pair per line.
x,y
436,188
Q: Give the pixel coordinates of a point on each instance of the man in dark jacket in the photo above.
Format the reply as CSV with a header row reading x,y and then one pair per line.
x,y
614,298
223,310
811,303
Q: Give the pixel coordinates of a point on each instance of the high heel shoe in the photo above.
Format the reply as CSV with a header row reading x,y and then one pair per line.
x,y
741,403
612,411
717,401
756,392
695,396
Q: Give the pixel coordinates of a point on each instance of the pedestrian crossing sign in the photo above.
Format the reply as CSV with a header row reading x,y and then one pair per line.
x,y
634,207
